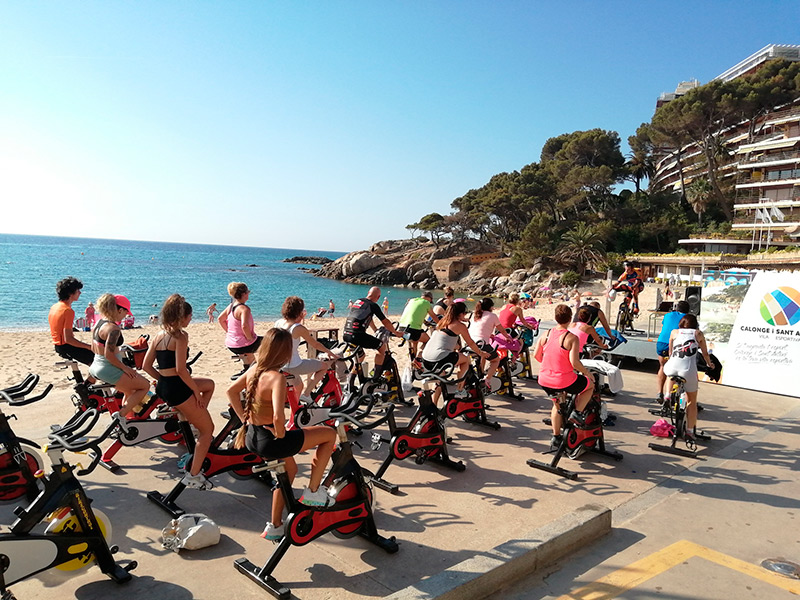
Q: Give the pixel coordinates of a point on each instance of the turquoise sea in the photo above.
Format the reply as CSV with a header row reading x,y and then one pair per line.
x,y
148,272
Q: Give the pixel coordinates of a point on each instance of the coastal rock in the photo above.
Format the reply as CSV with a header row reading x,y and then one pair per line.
x,y
361,262
308,260
518,276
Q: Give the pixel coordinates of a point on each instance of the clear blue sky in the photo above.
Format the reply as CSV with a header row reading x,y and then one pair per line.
x,y
322,125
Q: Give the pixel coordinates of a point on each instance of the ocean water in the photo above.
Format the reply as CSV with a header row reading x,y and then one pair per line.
x,y
148,272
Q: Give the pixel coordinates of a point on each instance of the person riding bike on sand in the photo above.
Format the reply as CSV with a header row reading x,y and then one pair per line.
x,y
511,314
441,305
359,319
630,280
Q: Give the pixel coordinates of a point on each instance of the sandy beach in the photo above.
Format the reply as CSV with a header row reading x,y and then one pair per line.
x,y
23,352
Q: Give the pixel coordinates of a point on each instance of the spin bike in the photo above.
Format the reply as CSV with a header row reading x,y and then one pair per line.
x,y
625,314
351,514
222,457
77,534
150,420
502,383
424,438
325,398
578,439
674,408
389,382
520,360
19,458
471,409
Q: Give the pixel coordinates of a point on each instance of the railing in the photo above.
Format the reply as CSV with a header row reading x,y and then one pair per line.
x,y
789,175
771,157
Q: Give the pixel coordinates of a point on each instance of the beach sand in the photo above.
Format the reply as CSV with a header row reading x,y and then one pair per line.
x,y
23,352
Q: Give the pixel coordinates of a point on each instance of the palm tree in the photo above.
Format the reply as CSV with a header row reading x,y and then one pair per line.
x,y
582,247
640,166
698,194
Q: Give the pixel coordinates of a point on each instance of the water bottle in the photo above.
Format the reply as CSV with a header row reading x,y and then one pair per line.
x,y
683,400
407,335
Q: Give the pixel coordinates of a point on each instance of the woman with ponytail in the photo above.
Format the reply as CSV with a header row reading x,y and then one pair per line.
x,y
190,395
264,432
484,324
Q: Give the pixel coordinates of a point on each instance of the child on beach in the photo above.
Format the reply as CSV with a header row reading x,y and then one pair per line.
x,y
211,311
190,395
107,364
263,430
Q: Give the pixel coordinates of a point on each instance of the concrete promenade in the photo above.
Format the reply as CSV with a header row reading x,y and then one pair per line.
x,y
739,499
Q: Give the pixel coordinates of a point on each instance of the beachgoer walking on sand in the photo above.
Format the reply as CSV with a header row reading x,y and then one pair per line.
x,y
349,305
385,305
331,308
576,300
89,315
211,311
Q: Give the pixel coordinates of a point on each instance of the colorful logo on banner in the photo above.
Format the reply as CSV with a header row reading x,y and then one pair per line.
x,y
781,307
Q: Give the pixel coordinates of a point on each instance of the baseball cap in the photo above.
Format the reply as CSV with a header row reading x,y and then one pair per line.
x,y
123,302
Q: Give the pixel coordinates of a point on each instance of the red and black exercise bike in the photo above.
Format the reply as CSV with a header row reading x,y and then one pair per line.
x,y
20,461
578,438
424,438
349,516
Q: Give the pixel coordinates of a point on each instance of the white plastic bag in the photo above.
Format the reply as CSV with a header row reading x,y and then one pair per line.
x,y
407,379
190,532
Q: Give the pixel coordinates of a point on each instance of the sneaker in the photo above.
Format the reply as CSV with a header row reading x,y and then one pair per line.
x,y
461,394
318,498
197,482
273,533
660,398
555,442
577,418
121,421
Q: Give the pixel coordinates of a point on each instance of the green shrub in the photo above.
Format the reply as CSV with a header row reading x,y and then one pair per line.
x,y
569,279
496,268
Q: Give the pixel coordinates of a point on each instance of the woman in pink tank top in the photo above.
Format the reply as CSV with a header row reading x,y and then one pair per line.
x,y
511,313
583,330
558,353
237,321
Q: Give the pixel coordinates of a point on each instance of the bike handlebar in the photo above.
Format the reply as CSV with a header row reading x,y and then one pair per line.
x,y
15,394
73,437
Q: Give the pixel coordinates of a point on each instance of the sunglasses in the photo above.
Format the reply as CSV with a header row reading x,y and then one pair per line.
x,y
122,308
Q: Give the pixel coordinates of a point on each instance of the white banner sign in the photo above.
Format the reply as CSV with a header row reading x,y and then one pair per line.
x,y
764,349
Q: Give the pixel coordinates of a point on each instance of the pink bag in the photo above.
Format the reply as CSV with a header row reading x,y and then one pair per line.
x,y
662,428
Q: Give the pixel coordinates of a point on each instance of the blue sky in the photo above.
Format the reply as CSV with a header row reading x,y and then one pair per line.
x,y
322,125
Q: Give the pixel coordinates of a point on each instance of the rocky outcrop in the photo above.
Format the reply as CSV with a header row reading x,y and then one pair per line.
x,y
421,265
308,260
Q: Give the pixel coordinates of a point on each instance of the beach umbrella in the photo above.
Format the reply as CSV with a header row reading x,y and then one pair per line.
x,y
525,295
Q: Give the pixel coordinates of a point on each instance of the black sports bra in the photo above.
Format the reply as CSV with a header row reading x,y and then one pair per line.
x,y
166,358
96,334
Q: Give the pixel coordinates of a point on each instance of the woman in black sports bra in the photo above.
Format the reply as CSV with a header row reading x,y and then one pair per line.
x,y
190,395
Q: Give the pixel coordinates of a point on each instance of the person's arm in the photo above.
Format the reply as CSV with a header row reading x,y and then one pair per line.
x,y
249,334
181,350
305,334
462,330
234,392
277,385
223,319
388,324
604,322
672,340
149,359
701,340
596,337
434,317
517,310
539,347
110,351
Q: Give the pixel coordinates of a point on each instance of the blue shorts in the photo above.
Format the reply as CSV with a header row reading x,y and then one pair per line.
x,y
662,349
102,369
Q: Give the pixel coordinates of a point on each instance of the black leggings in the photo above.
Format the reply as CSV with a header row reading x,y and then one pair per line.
x,y
264,443
81,355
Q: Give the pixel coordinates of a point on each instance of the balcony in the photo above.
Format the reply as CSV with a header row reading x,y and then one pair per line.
x,y
766,158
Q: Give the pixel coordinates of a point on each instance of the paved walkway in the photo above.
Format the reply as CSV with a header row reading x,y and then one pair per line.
x,y
739,500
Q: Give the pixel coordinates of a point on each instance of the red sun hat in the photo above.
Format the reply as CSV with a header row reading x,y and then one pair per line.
x,y
123,302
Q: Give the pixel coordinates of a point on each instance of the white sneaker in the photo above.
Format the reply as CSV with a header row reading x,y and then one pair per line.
x,y
461,394
318,498
197,482
272,533
122,421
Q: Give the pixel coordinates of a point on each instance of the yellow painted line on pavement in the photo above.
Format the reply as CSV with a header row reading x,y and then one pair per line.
x,y
627,578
